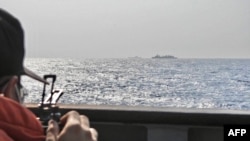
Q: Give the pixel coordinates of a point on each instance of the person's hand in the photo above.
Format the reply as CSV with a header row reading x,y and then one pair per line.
x,y
76,128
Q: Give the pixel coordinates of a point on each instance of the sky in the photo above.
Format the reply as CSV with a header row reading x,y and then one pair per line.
x,y
129,28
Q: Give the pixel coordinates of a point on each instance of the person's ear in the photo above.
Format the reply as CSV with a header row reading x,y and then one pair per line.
x,y
10,88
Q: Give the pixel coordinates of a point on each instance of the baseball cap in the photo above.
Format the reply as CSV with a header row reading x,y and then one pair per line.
x,y
12,48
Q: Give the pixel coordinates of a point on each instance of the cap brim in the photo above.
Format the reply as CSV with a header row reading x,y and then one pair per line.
x,y
33,75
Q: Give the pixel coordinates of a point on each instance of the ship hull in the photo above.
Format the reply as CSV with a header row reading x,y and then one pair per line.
x,y
126,123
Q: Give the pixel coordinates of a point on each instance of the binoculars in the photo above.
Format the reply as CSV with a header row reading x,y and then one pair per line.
x,y
48,108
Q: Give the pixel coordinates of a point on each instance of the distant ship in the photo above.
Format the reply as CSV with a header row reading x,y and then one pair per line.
x,y
164,57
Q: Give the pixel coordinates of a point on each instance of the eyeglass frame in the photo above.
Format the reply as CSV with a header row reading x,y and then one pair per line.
x,y
20,91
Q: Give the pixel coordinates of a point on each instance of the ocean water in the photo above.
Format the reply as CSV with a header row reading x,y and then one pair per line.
x,y
189,83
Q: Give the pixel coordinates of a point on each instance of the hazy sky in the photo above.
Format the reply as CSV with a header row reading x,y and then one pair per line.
x,y
128,28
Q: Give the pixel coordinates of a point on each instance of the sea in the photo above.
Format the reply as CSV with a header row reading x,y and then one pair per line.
x,y
184,83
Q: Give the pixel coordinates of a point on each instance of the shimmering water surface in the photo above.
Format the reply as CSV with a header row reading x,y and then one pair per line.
x,y
191,83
